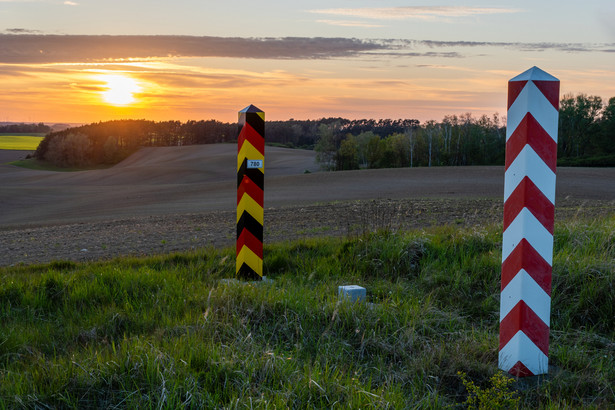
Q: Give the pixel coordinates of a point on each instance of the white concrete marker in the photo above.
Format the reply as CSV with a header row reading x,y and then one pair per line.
x,y
354,293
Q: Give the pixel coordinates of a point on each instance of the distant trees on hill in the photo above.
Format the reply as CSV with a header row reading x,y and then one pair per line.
x,y
586,131
22,128
305,133
456,140
586,138
111,141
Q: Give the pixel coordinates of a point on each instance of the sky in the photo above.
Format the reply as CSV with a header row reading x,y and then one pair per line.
x,y
82,61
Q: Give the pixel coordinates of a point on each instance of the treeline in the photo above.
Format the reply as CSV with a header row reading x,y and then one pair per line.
x,y
586,137
586,131
305,133
39,128
457,140
111,141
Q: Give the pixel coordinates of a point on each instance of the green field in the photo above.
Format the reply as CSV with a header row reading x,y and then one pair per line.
x,y
169,332
21,142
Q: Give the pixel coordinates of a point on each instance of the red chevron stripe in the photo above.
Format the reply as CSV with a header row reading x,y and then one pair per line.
x,y
527,195
529,131
247,186
248,133
550,89
251,241
522,318
519,370
525,257
514,89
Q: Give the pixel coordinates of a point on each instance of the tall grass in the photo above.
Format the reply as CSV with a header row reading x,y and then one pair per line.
x,y
170,331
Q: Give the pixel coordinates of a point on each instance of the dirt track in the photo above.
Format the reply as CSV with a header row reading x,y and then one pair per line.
x,y
181,198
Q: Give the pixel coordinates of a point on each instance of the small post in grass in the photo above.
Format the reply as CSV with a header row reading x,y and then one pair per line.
x,y
353,293
250,193
529,207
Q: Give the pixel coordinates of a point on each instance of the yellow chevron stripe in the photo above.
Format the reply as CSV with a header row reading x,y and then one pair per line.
x,y
253,208
261,114
251,259
248,151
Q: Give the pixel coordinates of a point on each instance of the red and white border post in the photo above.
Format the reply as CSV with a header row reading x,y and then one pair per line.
x,y
529,207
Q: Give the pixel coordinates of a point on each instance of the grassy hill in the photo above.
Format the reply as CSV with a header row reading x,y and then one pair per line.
x,y
170,331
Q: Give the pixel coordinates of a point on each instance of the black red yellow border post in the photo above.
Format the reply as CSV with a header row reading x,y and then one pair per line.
x,y
250,193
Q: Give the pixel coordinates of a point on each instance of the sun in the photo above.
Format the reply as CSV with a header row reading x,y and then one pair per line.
x,y
120,89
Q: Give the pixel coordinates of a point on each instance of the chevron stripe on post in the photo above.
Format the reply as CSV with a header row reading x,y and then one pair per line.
x,y
250,193
529,207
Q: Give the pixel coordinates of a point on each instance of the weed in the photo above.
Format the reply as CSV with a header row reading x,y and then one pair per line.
x,y
498,395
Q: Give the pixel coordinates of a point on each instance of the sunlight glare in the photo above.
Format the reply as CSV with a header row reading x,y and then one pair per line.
x,y
120,89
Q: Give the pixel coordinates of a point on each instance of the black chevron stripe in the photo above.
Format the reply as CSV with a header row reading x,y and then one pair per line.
x,y
247,221
246,272
255,174
255,122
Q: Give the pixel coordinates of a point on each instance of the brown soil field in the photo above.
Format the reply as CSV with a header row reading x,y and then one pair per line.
x,y
170,199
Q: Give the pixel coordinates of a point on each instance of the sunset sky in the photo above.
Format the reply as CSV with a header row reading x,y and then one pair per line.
x,y
82,61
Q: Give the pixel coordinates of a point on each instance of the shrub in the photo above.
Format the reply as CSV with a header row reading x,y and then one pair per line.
x,y
498,396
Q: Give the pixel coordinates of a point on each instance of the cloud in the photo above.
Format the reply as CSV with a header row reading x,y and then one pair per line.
x,y
85,87
70,3
415,12
13,73
348,23
17,47
28,48
227,79
566,47
21,31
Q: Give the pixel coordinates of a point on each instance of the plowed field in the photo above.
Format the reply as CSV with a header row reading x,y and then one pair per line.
x,y
181,198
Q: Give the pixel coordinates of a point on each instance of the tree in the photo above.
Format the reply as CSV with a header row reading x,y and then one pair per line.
x,y
327,145
411,144
111,151
578,124
430,129
363,140
347,157
72,150
374,154
605,143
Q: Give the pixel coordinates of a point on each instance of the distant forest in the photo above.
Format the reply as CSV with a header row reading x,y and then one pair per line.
x,y
39,128
586,138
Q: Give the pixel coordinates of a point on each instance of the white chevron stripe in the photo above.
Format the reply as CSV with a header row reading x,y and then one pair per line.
x,y
534,73
529,164
532,100
527,226
521,348
524,287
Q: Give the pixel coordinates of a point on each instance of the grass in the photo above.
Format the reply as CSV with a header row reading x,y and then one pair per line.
x,y
168,331
21,142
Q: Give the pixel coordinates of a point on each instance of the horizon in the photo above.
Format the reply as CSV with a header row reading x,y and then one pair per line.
x,y
83,62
